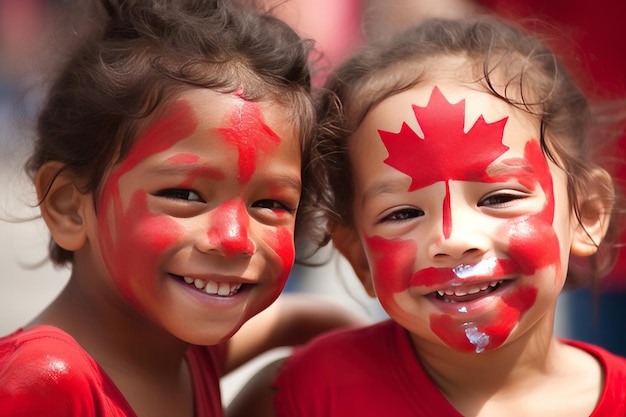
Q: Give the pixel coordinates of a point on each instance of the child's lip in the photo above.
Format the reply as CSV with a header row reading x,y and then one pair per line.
x,y
467,292
463,278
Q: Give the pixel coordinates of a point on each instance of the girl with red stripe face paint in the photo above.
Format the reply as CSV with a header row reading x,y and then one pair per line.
x,y
468,148
173,153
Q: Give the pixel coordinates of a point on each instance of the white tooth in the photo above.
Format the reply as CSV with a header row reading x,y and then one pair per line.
x,y
234,289
473,290
188,280
441,293
198,283
493,284
211,287
484,287
223,290
460,293
449,292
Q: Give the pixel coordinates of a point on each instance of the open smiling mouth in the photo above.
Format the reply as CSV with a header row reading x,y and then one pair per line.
x,y
466,293
222,289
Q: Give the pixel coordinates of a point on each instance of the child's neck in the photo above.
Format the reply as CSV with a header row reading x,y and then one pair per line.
x,y
112,332
532,366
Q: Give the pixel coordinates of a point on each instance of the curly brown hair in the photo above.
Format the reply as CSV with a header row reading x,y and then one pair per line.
x,y
150,50
536,82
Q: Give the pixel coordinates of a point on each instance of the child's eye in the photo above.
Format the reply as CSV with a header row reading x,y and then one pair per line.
x,y
273,205
180,194
500,199
403,214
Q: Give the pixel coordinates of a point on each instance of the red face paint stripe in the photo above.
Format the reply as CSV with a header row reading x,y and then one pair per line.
x,y
250,135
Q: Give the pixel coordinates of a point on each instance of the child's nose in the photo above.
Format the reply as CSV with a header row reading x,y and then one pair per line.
x,y
461,234
228,230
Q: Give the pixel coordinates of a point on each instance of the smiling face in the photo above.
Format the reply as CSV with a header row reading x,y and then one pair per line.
x,y
465,224
195,226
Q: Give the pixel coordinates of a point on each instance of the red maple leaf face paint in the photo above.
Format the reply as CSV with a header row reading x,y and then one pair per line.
x,y
185,241
446,145
455,247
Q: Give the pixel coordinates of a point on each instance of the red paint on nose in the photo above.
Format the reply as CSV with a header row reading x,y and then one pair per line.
x,y
229,229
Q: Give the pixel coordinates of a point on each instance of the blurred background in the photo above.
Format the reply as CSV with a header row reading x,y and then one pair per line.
x,y
36,35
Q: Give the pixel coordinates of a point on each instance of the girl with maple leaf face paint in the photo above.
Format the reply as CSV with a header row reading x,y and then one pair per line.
x,y
173,153
467,147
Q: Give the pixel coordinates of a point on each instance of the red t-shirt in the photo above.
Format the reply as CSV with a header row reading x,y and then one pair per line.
x,y
45,372
373,371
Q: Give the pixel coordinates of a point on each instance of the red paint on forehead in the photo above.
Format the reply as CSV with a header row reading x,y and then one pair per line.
x,y
178,123
185,160
250,135
446,152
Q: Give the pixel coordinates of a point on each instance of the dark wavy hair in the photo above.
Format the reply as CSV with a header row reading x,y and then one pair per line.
x,y
146,52
536,82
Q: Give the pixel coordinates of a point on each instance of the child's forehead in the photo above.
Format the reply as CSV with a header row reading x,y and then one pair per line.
x,y
394,111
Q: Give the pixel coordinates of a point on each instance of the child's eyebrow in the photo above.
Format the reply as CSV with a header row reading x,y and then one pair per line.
x,y
383,186
178,168
286,181
518,167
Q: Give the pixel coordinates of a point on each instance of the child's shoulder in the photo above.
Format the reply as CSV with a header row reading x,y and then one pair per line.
x,y
44,369
611,362
613,397
342,341
347,351
45,351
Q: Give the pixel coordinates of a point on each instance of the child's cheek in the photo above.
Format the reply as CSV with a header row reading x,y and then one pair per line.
x,y
138,241
281,241
392,263
533,245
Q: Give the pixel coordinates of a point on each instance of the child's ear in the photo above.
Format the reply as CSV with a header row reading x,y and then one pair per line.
x,y
62,205
595,212
349,245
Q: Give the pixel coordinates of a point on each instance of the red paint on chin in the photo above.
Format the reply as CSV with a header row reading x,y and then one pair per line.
x,y
487,329
251,135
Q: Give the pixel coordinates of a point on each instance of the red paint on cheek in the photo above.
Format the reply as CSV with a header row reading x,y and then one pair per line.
x,y
250,135
484,333
120,228
282,243
144,234
392,263
229,229
533,241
